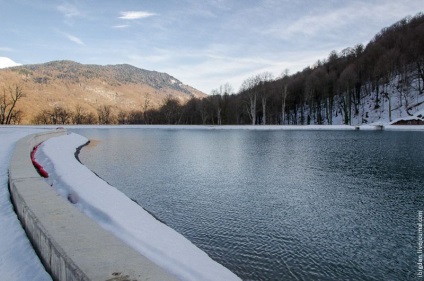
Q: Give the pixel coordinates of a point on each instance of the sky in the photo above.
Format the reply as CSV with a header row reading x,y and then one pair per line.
x,y
202,43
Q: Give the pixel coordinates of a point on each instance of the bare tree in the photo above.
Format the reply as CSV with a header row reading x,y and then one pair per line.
x,y
91,118
216,100
264,80
220,101
105,114
60,115
42,117
347,83
122,117
284,93
64,115
8,103
146,106
249,86
171,110
80,115
283,103
203,108
16,117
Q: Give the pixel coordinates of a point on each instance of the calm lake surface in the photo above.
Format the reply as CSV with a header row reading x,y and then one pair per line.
x,y
277,205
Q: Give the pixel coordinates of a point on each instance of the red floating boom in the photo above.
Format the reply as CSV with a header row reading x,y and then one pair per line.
x,y
37,166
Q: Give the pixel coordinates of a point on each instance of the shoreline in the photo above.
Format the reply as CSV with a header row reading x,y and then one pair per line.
x,y
371,127
122,217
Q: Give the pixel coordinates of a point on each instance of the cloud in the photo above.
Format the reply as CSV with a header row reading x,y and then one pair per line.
x,y
6,49
121,26
133,15
68,10
207,69
356,15
75,39
314,24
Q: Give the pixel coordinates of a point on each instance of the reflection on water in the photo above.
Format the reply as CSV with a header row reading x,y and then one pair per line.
x,y
92,143
277,205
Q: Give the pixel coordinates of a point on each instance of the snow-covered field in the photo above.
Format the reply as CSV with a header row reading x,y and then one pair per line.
x,y
98,200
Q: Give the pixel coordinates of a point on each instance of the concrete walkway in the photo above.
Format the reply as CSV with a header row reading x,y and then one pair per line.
x,y
70,245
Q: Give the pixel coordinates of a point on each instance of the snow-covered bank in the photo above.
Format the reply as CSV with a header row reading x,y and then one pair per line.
x,y
117,213
373,126
18,260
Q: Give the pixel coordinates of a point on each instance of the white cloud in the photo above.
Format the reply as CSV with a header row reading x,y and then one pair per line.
x,y
6,49
207,69
357,15
75,39
69,10
153,58
121,26
133,15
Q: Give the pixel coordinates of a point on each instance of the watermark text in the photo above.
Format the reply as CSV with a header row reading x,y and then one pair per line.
x,y
420,245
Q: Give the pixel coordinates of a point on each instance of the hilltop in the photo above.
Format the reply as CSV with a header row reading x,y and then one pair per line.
x,y
70,85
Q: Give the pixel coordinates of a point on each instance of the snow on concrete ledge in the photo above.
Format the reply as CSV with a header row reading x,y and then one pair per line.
x,y
71,246
117,213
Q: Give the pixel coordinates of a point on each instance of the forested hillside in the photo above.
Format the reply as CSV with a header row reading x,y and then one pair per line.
x,y
67,92
358,85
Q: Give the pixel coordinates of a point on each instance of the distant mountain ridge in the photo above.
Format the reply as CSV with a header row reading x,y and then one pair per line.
x,y
120,73
69,84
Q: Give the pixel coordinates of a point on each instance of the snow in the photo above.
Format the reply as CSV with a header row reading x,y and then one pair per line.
x,y
217,127
6,62
117,213
415,116
406,100
372,126
18,260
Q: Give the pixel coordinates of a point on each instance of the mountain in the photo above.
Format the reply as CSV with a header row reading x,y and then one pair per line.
x,y
69,85
6,62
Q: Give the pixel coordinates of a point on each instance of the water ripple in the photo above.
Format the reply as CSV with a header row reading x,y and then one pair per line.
x,y
278,205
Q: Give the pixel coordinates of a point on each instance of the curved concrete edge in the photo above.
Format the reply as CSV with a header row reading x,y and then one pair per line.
x,y
70,245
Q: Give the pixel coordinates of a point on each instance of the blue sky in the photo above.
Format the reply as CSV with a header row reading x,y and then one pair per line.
x,y
203,43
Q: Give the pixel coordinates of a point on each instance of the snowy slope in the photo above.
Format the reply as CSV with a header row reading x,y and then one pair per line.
x,y
115,212
400,98
402,104
6,62
18,260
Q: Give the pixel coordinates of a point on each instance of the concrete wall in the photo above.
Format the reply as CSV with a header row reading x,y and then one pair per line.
x,y
70,245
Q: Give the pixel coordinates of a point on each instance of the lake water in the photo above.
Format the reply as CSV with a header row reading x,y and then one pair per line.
x,y
277,205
